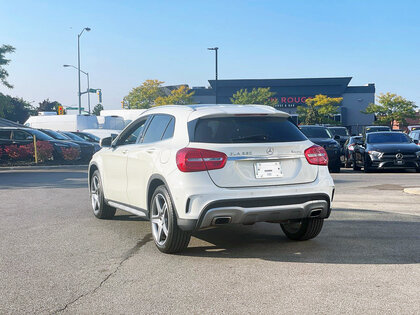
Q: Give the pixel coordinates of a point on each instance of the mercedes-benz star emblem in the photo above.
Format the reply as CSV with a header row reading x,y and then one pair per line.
x,y
399,156
270,150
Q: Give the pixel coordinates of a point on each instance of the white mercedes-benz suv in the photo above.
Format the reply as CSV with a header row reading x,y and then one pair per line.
x,y
187,168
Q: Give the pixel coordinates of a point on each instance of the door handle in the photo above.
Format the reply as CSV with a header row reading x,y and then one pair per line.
x,y
124,151
151,150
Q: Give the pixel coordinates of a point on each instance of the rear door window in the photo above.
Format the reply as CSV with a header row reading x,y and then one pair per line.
x,y
5,134
21,135
169,132
157,128
244,129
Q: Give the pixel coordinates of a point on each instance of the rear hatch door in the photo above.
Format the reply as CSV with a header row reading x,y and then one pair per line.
x,y
262,150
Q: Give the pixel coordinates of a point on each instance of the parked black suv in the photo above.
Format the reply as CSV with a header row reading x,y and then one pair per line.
x,y
322,136
340,133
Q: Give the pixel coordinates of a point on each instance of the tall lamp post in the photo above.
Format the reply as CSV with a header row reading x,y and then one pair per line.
x,y
215,87
88,86
78,65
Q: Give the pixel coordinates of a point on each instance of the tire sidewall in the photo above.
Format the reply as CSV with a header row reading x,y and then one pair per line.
x,y
98,214
172,224
298,234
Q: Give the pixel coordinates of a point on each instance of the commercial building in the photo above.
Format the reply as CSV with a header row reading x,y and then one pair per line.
x,y
292,93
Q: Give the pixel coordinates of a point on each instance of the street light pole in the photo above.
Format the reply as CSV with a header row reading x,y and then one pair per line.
x,y
215,87
88,89
78,66
88,84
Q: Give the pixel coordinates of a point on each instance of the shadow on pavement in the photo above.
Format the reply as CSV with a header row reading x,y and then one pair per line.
x,y
127,217
364,238
42,179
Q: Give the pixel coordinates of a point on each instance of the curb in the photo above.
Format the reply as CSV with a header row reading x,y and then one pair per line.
x,y
413,191
45,167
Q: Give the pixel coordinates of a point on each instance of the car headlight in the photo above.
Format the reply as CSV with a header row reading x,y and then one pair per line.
x,y
375,154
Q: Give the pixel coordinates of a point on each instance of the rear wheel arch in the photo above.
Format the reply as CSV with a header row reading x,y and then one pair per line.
x,y
92,170
155,181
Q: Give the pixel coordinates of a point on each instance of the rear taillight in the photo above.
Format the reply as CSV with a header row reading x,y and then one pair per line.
x,y
351,147
316,155
196,160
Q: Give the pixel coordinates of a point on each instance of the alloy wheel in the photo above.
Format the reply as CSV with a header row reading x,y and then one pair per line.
x,y
94,194
160,219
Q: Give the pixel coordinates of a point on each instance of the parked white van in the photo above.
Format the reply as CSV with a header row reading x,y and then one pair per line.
x,y
127,114
111,122
63,122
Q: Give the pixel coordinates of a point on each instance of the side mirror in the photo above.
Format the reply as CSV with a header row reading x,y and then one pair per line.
x,y
337,137
106,142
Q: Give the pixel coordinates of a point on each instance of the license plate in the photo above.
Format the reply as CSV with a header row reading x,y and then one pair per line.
x,y
268,170
399,162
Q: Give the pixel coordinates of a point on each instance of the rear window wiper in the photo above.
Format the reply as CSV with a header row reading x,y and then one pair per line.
x,y
251,137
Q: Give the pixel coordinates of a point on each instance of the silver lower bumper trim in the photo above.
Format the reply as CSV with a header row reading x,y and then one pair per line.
x,y
263,214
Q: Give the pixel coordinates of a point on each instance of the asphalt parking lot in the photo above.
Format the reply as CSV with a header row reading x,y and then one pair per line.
x,y
56,257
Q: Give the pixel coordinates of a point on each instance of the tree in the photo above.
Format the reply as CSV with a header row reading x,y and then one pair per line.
x,y
15,109
319,110
179,96
3,62
262,96
144,96
391,107
97,109
47,106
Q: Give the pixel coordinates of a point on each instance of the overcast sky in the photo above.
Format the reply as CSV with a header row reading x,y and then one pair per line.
x,y
131,41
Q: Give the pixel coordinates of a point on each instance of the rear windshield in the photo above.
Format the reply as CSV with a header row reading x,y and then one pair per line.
x,y
55,134
249,129
73,136
316,132
92,136
387,137
339,131
40,135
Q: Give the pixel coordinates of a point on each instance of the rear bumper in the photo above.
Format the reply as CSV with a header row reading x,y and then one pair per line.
x,y
246,211
256,204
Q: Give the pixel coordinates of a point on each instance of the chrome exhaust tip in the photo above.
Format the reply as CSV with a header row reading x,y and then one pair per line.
x,y
315,213
221,220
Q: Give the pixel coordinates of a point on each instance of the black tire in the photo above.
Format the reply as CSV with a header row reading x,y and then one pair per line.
x,y
174,239
418,170
335,169
366,167
100,208
347,164
303,230
355,166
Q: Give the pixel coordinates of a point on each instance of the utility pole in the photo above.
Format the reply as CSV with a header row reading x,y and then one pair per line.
x,y
215,86
88,84
88,89
78,66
